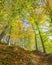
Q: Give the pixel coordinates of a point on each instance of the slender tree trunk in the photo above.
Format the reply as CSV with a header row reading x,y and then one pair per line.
x,y
36,42
9,36
35,39
41,39
3,33
51,17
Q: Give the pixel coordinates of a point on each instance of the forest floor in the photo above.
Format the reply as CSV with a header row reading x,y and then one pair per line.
x,y
12,55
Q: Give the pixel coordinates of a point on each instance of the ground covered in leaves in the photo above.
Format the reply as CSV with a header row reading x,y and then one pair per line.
x,y
12,55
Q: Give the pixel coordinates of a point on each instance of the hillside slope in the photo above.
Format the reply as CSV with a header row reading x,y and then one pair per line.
x,y
11,55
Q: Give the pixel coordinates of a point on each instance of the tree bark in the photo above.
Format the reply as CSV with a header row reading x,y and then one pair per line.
x,y
41,39
36,43
35,39
3,32
9,36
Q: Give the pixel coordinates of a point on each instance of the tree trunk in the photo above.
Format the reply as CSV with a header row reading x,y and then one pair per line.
x,y
50,14
41,39
9,36
35,39
3,33
36,42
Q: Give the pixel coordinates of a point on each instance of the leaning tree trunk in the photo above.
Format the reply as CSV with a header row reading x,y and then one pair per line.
x,y
36,42
9,36
35,38
41,38
3,32
51,16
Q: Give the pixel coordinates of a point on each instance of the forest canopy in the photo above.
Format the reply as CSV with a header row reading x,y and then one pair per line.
x,y
27,23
